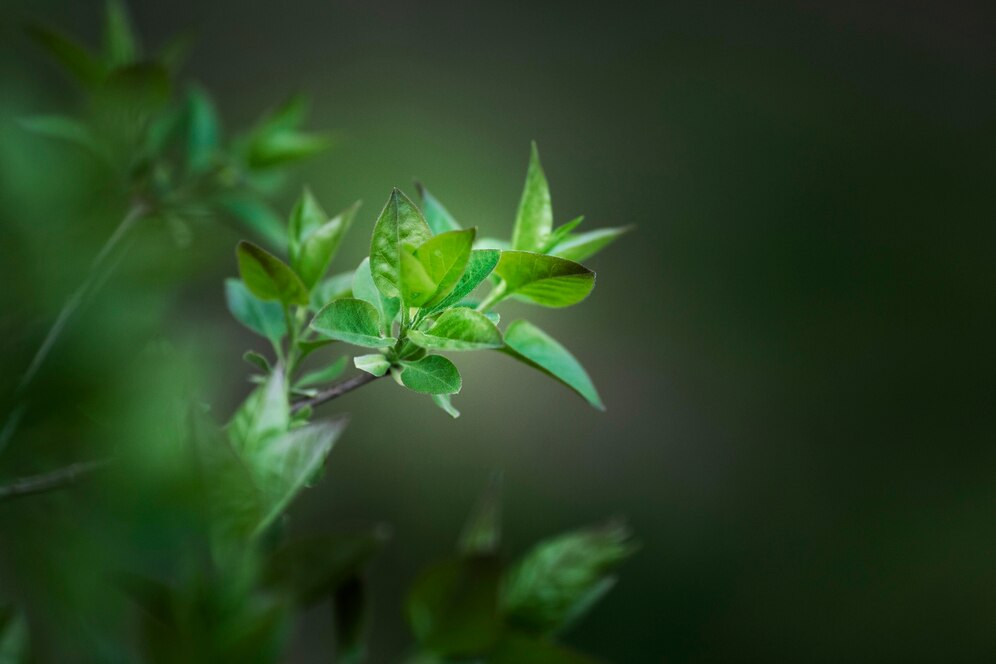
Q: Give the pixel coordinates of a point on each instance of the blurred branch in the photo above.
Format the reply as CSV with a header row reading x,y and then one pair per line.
x,y
57,479
335,391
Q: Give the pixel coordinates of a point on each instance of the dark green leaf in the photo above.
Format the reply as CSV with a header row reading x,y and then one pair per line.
x,y
531,345
482,532
545,280
452,606
75,58
583,245
268,277
319,247
120,42
353,321
265,318
257,360
524,649
270,150
309,347
433,374
375,364
203,133
438,218
534,220
459,329
65,128
400,224
13,636
323,375
479,265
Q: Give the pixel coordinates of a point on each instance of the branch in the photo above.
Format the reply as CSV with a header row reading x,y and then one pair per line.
x,y
56,479
335,391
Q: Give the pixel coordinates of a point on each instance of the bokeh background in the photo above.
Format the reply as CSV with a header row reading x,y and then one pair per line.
x,y
795,346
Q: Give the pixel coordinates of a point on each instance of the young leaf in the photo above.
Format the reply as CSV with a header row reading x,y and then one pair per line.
x,y
257,360
416,284
445,259
438,218
561,232
375,364
324,375
433,374
76,59
203,133
531,345
552,585
353,321
65,128
459,329
452,606
320,246
265,318
257,216
335,287
479,265
583,245
365,289
268,277
400,223
482,532
445,402
306,217
545,280
120,42
535,216
267,150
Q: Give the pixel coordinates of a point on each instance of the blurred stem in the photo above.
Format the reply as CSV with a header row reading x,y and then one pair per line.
x,y
56,479
496,295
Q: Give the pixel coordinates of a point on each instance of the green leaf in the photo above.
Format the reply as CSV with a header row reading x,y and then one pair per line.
x,y
561,232
323,375
433,374
554,583
523,649
265,318
531,345
375,364
400,224
257,216
445,402
445,259
452,606
306,217
482,532
365,289
268,277
273,149
313,567
75,58
65,128
479,265
438,218
319,247
534,220
14,639
583,245
120,42
262,417
459,329
353,321
545,280
309,347
333,288
257,360
203,132
416,284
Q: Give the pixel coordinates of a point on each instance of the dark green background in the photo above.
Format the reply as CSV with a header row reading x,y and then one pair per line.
x,y
795,346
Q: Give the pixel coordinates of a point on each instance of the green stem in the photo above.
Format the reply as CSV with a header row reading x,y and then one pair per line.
x,y
496,295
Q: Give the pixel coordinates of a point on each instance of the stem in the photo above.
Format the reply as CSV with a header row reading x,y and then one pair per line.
x,y
496,295
335,391
56,479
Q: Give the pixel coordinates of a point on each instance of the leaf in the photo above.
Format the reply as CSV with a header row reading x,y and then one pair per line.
x,y
309,347
120,42
433,374
306,217
353,321
583,245
416,284
375,364
445,402
531,345
313,567
523,649
268,277
365,289
452,606
561,232
65,128
534,220
320,246
257,216
444,258
75,58
459,329
438,218
492,243
545,280
203,132
324,375
333,288
265,318
262,417
14,639
479,265
554,582
257,360
482,532
269,150
400,223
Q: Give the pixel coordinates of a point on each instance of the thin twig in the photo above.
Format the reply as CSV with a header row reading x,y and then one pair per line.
x,y
56,479
334,392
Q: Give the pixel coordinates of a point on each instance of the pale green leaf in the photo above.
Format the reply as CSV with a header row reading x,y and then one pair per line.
x,y
545,280
416,284
306,217
583,245
265,318
531,345
365,289
445,402
375,364
353,321
445,259
534,220
400,224
323,375
437,216
561,232
319,247
433,374
458,329
333,288
268,277
479,265
273,149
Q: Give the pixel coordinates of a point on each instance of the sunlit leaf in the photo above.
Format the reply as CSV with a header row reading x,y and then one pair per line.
x,y
583,245
400,224
444,258
545,280
479,265
438,218
459,329
433,374
375,364
353,321
319,246
560,233
365,289
534,220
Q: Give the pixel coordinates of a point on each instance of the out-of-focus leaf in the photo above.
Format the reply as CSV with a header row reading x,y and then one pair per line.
x,y
257,360
350,611
433,374
437,216
375,364
323,375
274,149
262,417
268,277
482,532
583,245
534,220
203,133
65,128
319,247
445,402
13,636
452,607
365,289
77,60
514,648
554,583
400,224
120,41
545,280
492,243
561,232
309,347
173,54
258,217
479,265
459,329
333,288
265,318
306,217
353,321
531,345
